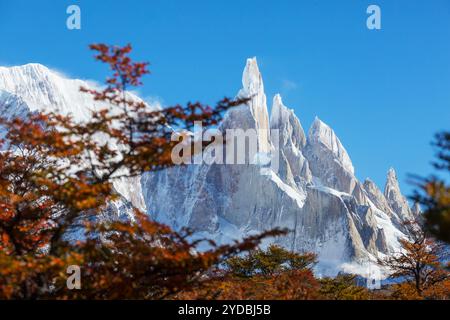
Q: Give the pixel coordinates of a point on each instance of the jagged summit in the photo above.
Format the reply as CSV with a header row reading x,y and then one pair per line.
x,y
279,112
392,184
377,197
291,139
285,120
395,197
251,78
391,174
321,133
32,66
253,88
277,104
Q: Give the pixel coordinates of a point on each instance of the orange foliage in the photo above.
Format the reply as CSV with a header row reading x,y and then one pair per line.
x,y
289,285
420,263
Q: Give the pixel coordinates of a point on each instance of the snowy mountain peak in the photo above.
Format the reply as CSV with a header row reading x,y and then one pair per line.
x,y
290,139
251,78
14,78
371,188
318,127
253,88
278,101
278,112
286,121
395,198
392,175
44,90
321,133
376,196
30,68
36,88
36,67
392,181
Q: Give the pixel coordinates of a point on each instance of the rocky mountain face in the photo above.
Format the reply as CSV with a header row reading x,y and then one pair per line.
x,y
312,190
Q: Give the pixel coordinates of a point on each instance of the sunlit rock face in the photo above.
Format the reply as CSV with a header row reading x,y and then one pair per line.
x,y
328,158
291,139
312,190
395,198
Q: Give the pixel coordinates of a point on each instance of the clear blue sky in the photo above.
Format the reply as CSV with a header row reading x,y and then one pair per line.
x,y
385,92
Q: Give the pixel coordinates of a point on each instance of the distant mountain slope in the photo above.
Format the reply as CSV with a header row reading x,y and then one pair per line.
x,y
35,88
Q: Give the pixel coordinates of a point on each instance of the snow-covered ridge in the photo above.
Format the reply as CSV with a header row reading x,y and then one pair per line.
x,y
323,134
253,87
43,89
36,88
314,193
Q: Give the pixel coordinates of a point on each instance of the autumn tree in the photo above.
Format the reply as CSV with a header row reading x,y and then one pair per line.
x,y
288,285
434,193
342,287
56,177
269,262
271,274
419,264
